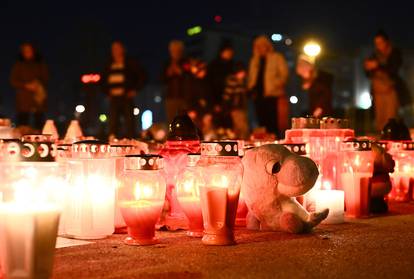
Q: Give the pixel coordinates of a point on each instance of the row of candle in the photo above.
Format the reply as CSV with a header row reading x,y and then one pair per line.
x,y
88,197
34,192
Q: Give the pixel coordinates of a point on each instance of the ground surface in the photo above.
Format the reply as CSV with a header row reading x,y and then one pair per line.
x,y
381,247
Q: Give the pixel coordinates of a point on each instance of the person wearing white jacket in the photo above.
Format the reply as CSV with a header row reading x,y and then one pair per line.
x,y
267,78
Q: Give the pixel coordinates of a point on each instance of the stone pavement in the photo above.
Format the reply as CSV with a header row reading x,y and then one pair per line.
x,y
381,247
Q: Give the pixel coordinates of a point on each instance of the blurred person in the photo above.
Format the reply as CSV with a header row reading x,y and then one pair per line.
x,y
122,78
235,101
387,87
175,77
318,84
197,96
217,72
267,78
29,77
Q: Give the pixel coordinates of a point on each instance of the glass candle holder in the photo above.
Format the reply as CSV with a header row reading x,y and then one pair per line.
x,y
403,176
182,139
141,197
356,173
222,172
188,194
118,152
32,192
91,197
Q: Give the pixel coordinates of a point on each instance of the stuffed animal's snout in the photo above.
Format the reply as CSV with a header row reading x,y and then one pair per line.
x,y
297,175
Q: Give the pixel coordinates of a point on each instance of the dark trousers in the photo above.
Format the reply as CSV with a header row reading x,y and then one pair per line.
x,y
121,108
266,110
23,119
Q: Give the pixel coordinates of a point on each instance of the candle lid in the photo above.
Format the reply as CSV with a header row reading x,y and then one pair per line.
x,y
219,148
386,145
356,145
143,162
308,122
90,149
334,123
297,148
403,145
38,138
120,149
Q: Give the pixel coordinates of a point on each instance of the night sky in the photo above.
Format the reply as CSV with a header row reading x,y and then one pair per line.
x,y
74,36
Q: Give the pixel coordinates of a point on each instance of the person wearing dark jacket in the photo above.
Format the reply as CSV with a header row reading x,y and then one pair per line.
x,y
217,72
175,77
387,87
318,84
122,78
29,77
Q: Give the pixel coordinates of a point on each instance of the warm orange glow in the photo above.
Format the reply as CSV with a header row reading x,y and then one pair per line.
x,y
90,78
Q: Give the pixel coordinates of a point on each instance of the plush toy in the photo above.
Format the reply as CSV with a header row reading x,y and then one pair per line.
x,y
273,177
380,182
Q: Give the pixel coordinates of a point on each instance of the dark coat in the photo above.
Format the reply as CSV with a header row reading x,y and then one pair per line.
x,y
176,85
320,93
135,76
217,72
22,73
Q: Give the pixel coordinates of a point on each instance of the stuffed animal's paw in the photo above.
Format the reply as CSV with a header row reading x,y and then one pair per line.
x,y
316,217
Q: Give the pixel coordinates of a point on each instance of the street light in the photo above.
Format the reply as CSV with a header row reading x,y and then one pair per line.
x,y
312,49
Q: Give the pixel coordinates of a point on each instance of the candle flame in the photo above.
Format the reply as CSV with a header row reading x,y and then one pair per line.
x,y
221,181
188,186
406,168
143,191
327,185
357,160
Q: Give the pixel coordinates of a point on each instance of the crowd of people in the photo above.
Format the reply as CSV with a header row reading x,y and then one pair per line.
x,y
216,94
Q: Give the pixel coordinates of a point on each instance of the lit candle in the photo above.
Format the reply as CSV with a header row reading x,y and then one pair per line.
x,y
90,209
141,197
356,173
334,200
30,206
403,176
222,171
188,194
27,239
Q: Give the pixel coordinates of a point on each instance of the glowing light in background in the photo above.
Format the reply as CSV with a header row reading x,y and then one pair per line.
x,y
288,42
293,100
194,30
218,18
80,108
276,37
136,111
146,119
312,49
157,99
103,118
90,78
364,100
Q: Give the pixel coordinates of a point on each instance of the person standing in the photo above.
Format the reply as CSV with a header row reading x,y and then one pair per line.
x,y
29,77
217,72
387,87
267,78
122,78
235,101
175,78
318,84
